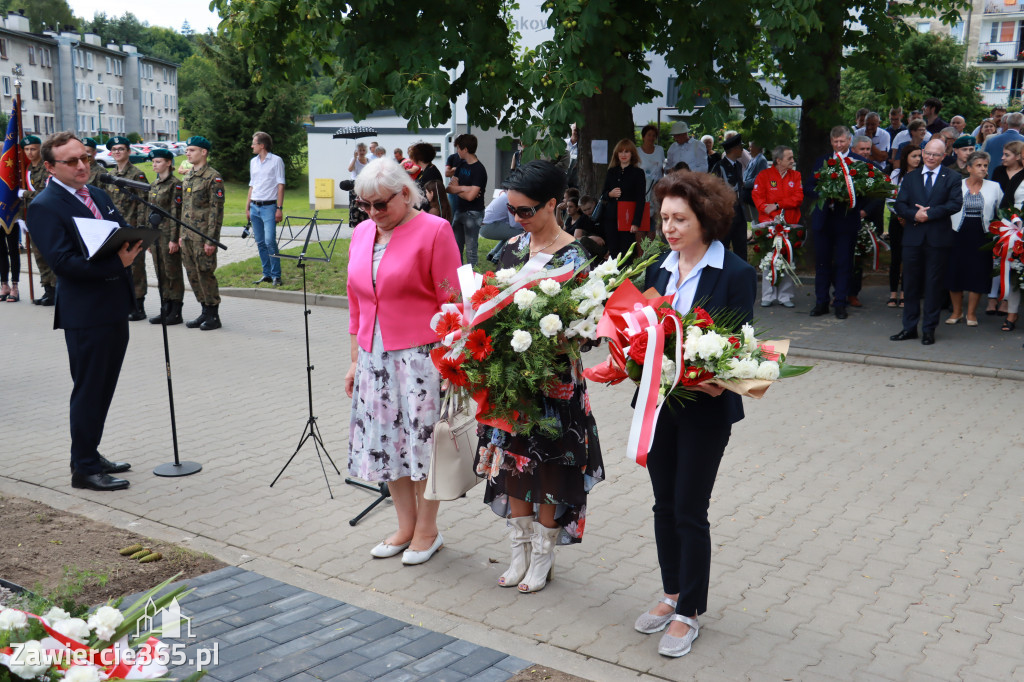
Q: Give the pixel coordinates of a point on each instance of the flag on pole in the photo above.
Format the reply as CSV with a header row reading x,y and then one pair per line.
x,y
10,168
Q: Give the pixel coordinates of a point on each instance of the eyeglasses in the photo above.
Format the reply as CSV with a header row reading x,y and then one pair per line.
x,y
365,206
523,211
75,161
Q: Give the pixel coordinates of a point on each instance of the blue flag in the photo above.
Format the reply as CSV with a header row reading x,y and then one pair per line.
x,y
10,170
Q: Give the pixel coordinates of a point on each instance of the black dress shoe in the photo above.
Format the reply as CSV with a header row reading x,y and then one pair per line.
x,y
109,467
821,309
277,281
841,313
263,280
100,482
927,338
904,335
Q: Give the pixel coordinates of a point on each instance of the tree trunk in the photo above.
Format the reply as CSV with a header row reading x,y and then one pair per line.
x,y
606,116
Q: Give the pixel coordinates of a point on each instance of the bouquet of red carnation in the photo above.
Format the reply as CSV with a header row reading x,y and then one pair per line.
x,y
845,181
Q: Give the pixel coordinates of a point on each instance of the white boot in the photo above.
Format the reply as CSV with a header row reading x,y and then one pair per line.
x,y
542,558
521,532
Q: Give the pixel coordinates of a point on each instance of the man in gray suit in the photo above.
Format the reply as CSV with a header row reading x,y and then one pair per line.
x,y
994,144
928,197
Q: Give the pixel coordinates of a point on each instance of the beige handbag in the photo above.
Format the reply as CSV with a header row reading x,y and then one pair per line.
x,y
451,463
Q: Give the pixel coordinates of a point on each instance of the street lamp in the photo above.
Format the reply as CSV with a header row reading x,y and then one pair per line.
x,y
99,132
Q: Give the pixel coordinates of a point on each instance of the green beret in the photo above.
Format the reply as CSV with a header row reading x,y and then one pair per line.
x,y
31,139
114,141
965,141
89,142
198,141
160,153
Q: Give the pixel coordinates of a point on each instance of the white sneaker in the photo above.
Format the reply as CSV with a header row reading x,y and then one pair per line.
x,y
674,647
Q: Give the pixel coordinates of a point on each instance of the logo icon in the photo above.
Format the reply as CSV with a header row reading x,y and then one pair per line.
x,y
171,621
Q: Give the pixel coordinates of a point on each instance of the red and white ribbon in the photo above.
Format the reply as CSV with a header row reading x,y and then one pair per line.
x,y
848,179
1009,247
650,399
876,246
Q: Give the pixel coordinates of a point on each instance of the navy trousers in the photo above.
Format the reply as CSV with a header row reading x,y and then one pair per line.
x,y
924,272
833,258
95,355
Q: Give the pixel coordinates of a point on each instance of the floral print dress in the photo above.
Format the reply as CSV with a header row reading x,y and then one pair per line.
x,y
395,404
559,471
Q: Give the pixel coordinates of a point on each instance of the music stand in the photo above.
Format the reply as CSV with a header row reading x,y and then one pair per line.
x,y
310,430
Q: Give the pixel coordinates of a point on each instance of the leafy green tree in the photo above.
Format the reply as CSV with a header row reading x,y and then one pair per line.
x,y
932,65
220,102
592,71
153,41
42,14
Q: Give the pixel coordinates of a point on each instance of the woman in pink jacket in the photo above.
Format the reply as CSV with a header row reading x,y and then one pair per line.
x,y
402,264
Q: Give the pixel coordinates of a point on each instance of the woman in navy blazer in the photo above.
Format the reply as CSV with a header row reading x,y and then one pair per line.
x,y
690,439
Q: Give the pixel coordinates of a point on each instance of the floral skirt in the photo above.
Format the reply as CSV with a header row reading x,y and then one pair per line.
x,y
534,468
396,400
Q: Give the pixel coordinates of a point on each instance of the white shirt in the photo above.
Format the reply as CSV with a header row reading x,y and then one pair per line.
x,y
693,152
880,139
904,136
265,176
684,293
652,164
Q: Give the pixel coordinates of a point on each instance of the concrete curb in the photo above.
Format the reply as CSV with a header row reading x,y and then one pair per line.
x,y
281,296
904,363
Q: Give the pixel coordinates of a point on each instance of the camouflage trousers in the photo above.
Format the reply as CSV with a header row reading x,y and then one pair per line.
x,y
46,276
168,270
139,274
200,268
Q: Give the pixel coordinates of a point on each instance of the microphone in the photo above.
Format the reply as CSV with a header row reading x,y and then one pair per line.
x,y
347,185
123,182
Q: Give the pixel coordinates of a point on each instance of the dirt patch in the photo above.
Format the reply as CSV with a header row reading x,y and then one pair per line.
x,y
46,550
538,673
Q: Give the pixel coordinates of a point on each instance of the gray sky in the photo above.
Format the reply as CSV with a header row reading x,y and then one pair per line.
x,y
167,14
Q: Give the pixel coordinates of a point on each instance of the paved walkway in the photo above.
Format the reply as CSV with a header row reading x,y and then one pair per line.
x,y
866,524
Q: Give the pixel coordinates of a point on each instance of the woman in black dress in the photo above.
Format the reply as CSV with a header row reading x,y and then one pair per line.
x,y
625,181
540,484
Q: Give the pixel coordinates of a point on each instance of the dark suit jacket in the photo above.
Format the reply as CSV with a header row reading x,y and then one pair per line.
x,y
842,212
946,198
89,293
734,288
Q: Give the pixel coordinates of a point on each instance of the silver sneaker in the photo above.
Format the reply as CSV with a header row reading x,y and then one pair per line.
x,y
648,623
675,647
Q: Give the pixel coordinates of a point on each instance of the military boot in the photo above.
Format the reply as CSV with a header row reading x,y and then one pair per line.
x,y
173,313
140,310
192,324
48,296
212,319
164,305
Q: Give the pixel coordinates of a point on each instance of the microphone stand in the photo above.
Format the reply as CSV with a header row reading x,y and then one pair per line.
x,y
177,467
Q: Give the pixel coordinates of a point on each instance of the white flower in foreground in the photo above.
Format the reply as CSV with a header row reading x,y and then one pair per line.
x,y
505,275
75,628
550,287
550,324
82,673
768,370
585,328
605,269
29,661
105,621
742,369
524,298
668,372
56,613
521,340
693,335
12,620
587,305
749,341
711,346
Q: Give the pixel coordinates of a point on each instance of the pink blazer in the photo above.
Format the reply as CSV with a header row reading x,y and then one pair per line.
x,y
416,275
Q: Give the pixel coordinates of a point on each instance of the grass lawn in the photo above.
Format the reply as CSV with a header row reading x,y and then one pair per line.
x,y
296,199
321,278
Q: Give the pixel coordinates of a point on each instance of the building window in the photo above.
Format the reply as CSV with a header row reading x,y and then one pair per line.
x,y
924,27
35,90
92,93
88,60
997,80
35,124
31,54
1002,32
46,58
110,96
6,85
956,31
3,48
671,92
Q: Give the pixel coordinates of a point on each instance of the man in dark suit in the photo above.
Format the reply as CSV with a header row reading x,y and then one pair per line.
x,y
93,299
928,197
835,228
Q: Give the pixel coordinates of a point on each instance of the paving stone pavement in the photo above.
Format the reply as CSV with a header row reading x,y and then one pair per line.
x,y
259,629
866,522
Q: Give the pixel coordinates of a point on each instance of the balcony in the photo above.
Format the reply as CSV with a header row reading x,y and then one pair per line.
x,y
1001,53
1001,7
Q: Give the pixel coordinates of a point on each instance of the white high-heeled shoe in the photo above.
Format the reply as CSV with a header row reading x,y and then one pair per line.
x,y
542,558
521,532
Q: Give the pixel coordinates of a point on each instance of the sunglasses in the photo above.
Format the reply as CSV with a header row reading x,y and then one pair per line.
x,y
523,211
365,206
75,161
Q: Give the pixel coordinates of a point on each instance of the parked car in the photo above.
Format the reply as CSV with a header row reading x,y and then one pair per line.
x,y
104,158
141,153
178,148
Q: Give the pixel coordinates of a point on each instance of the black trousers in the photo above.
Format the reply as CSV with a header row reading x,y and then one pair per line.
x,y
924,273
737,239
95,355
896,252
833,259
10,256
683,464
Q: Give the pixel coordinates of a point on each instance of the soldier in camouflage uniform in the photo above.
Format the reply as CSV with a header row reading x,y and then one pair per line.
x,y
94,168
133,212
202,207
165,192
37,176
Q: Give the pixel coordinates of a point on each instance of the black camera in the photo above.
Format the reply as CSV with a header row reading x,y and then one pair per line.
x,y
347,185
246,230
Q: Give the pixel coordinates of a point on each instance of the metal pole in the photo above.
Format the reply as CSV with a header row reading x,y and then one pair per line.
x,y
18,73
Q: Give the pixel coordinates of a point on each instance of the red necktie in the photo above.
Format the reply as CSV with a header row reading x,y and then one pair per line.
x,y
83,194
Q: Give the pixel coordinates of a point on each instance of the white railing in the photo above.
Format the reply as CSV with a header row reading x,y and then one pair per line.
x,y
999,52
1000,7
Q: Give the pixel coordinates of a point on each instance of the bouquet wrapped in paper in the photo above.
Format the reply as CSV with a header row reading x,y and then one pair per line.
x,y
667,354
844,181
501,344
